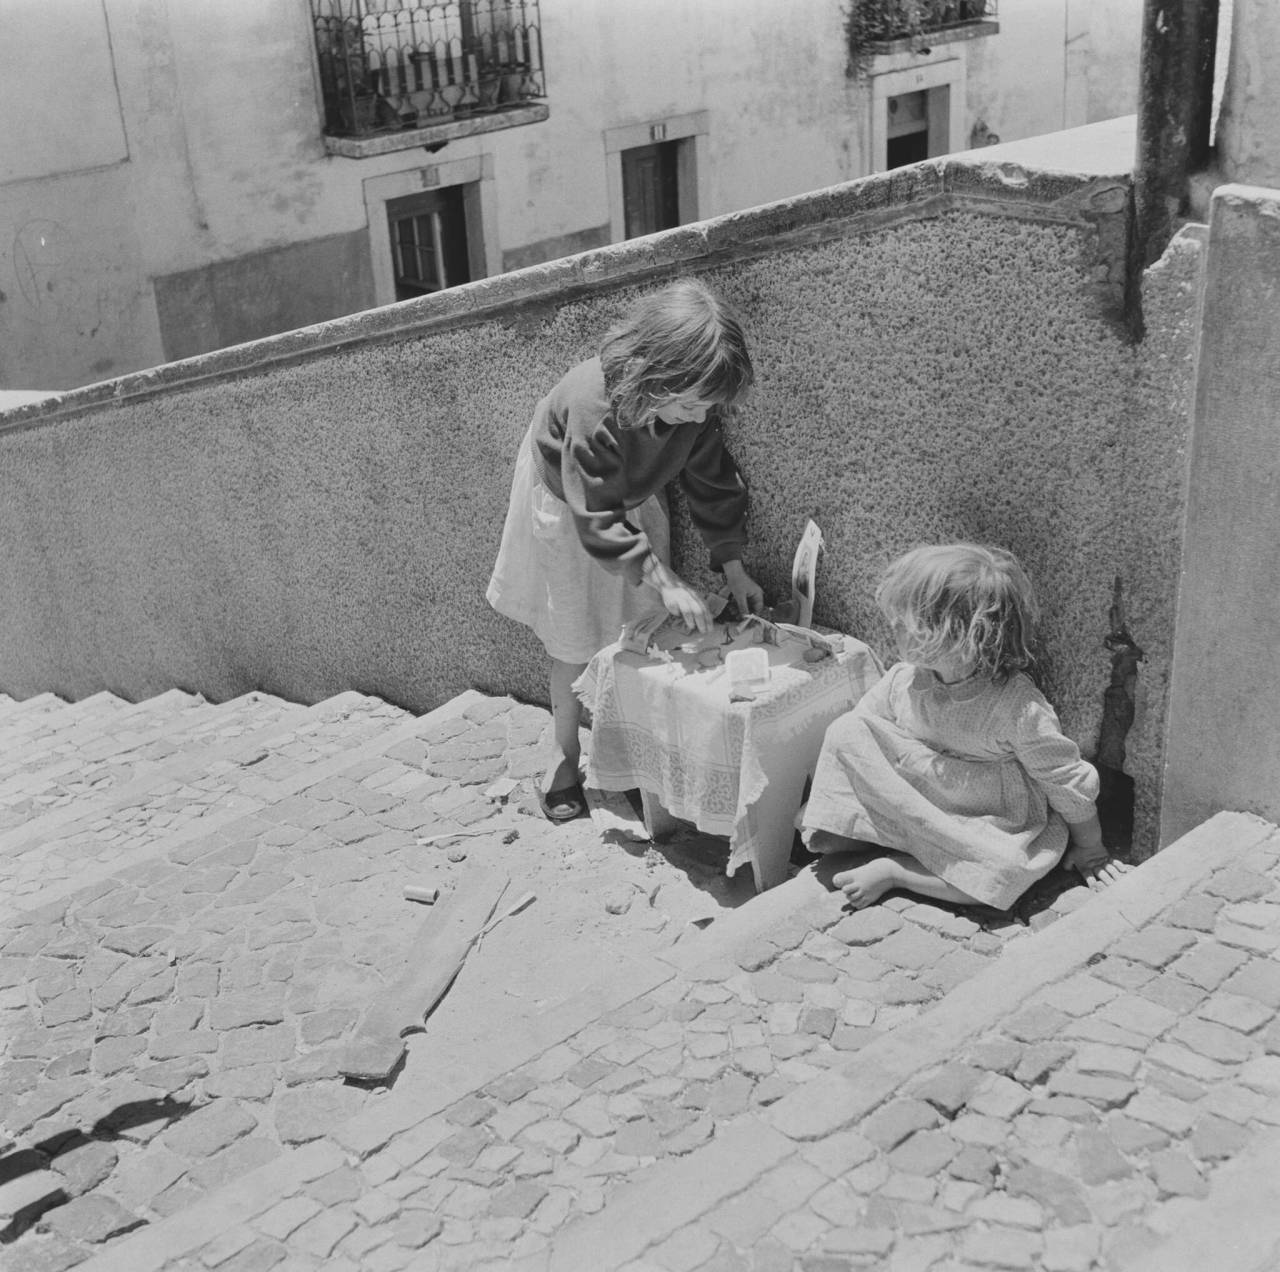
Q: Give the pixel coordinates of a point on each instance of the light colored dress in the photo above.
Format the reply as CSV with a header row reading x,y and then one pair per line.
x,y
975,780
544,579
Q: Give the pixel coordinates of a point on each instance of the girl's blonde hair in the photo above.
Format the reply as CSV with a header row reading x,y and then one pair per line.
x,y
681,339
964,601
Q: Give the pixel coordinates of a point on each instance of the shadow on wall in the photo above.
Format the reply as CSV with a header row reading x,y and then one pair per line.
x,y
1116,800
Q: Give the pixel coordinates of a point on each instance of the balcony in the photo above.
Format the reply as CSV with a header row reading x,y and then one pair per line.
x,y
876,27
395,75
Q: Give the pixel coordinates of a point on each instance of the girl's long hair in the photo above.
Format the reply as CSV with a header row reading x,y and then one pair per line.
x,y
681,339
964,601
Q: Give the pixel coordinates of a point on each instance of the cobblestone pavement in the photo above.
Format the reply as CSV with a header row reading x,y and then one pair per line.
x,y
62,824
798,1087
175,1021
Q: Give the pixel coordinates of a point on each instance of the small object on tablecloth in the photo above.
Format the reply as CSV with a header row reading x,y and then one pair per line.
x,y
748,673
804,569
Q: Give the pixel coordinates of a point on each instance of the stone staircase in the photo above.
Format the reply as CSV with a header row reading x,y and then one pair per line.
x,y
179,930
200,900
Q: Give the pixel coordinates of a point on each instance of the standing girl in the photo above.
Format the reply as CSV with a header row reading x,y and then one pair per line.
x,y
586,545
954,760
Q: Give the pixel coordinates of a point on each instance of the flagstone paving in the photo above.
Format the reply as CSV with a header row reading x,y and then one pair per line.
x,y
796,1087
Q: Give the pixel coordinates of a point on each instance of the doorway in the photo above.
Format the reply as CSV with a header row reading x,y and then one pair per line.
x,y
651,188
913,125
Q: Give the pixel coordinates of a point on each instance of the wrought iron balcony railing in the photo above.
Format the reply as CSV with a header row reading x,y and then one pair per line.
x,y
388,65
873,25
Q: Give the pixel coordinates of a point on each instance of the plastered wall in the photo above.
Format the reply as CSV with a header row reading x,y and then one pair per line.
x,y
1248,148
938,356
1222,716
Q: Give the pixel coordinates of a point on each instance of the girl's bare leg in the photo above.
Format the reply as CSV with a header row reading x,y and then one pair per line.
x,y
566,720
865,885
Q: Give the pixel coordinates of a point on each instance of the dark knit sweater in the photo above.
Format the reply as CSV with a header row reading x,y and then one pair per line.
x,y
602,471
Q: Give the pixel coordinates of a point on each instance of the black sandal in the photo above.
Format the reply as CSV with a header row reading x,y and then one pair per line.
x,y
563,805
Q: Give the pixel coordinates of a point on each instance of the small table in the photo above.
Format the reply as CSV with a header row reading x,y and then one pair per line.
x,y
735,768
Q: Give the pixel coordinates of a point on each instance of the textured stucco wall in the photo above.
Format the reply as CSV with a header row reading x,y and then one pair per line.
x,y
938,355
1223,750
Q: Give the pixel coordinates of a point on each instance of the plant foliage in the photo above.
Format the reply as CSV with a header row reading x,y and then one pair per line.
x,y
870,23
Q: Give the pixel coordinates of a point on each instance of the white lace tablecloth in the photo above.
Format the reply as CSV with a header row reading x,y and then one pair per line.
x,y
731,768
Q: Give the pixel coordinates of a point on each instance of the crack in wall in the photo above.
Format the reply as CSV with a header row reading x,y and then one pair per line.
x,y
1116,797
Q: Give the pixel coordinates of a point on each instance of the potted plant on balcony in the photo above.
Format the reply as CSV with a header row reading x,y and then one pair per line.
x,y
513,76
488,86
872,23
356,92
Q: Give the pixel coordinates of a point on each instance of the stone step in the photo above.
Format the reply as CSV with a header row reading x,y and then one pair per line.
x,y
320,856
1079,1101
182,742
36,704
436,764
796,1085
222,767
119,750
31,736
92,740
27,713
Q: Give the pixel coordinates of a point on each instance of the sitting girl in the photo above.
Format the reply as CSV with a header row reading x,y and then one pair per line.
x,y
954,760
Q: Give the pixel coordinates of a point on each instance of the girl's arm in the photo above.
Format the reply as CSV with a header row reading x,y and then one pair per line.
x,y
1087,855
717,495
748,594
1070,784
594,482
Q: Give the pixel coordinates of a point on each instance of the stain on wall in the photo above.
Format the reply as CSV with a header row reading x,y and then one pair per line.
x,y
551,248
320,511
263,293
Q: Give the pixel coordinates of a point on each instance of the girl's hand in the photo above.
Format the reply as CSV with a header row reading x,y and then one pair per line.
x,y
678,597
746,592
682,601
1096,867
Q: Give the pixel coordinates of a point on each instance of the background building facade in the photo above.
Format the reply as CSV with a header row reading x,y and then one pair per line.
x,y
178,186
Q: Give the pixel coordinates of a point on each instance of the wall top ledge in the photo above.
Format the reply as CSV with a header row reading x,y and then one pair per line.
x,y
920,191
1265,198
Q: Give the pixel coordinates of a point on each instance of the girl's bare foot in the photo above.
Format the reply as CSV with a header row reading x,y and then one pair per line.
x,y
865,885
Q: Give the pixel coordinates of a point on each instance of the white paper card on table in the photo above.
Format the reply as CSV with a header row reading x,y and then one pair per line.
x,y
804,569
